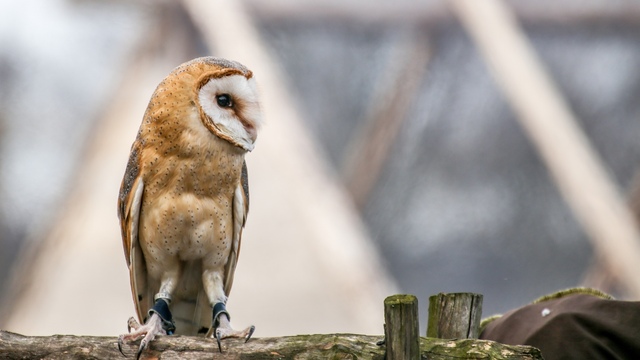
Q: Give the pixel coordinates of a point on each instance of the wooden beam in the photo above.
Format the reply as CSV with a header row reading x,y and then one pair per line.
x,y
437,12
393,95
573,163
599,275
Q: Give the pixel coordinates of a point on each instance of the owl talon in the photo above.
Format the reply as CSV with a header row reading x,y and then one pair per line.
x,y
218,336
252,328
132,323
143,345
120,340
224,330
153,327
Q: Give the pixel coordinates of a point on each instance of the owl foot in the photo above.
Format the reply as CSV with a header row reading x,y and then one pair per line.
x,y
222,326
149,330
160,323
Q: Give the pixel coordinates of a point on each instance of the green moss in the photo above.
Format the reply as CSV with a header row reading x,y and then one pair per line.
x,y
400,299
573,291
470,349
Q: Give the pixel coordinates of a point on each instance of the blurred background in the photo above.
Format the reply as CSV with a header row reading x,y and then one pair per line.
x,y
391,161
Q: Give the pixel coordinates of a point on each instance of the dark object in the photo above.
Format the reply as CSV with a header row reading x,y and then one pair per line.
x,y
161,307
575,324
219,309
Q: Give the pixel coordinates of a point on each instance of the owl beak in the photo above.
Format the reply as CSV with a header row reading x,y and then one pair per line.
x,y
253,133
249,141
247,146
250,128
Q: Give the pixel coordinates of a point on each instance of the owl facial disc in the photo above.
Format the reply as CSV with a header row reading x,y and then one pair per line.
x,y
231,109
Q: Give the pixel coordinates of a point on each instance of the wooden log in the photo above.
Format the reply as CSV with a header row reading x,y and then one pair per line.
x,y
401,331
454,316
324,346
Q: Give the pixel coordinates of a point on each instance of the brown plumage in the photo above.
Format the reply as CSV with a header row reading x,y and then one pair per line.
x,y
184,197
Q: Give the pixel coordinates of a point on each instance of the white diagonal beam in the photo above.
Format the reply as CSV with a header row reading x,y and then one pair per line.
x,y
547,119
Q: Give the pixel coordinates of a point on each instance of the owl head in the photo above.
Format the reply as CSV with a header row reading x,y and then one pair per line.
x,y
228,102
217,93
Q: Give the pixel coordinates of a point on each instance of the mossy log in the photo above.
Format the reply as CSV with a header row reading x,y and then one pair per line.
x,y
329,346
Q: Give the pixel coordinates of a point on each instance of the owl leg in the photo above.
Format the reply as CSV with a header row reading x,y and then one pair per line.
x,y
159,320
221,323
222,326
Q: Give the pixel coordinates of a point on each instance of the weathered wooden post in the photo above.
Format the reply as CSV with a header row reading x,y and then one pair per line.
x,y
454,316
402,332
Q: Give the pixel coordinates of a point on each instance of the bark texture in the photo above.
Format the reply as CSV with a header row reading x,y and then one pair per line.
x,y
324,346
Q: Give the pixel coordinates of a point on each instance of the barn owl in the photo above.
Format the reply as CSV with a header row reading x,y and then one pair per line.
x,y
184,200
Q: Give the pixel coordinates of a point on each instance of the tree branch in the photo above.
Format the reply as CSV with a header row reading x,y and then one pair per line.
x,y
334,346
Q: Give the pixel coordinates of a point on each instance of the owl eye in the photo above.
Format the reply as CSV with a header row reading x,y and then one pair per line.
x,y
224,100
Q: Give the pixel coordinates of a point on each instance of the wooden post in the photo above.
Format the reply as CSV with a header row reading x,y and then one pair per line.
x,y
401,327
454,316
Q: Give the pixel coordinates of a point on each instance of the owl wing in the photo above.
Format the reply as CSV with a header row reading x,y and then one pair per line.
x,y
240,211
129,206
